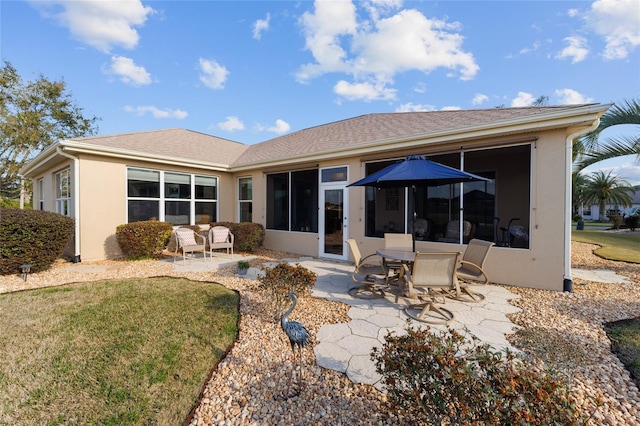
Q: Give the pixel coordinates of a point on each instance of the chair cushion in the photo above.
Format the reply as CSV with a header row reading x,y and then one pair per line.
x,y
220,235
187,238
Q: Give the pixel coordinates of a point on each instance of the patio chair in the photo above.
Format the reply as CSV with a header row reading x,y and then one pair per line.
x,y
368,272
395,241
433,276
220,237
470,272
452,232
189,241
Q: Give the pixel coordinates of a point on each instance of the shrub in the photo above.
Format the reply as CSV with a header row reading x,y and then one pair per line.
x,y
616,221
283,279
32,236
632,222
247,235
447,379
143,239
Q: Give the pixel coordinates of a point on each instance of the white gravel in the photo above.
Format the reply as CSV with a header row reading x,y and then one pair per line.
x,y
248,386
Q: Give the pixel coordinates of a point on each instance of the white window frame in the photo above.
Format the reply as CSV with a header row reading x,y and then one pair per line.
x,y
63,192
246,201
41,194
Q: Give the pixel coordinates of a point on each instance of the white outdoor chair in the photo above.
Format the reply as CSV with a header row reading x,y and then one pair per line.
x,y
368,272
433,275
220,237
470,272
189,241
395,241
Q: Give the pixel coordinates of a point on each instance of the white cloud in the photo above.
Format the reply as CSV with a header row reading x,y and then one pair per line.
x,y
372,51
618,21
577,49
536,45
364,91
260,26
231,124
280,127
570,96
451,108
479,99
101,24
572,13
523,99
411,107
213,75
128,71
156,112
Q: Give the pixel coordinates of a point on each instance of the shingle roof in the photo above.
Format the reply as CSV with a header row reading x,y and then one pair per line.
x,y
379,127
176,143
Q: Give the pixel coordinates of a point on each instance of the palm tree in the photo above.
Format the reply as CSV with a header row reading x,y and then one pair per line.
x,y
589,150
603,189
578,183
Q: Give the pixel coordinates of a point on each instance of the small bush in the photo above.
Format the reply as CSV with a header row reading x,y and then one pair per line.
x,y
247,235
616,221
446,379
632,222
283,279
143,239
32,236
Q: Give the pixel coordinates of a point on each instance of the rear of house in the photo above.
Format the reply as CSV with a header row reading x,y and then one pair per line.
x,y
296,185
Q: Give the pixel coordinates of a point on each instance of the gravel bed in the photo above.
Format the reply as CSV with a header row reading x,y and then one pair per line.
x,y
250,384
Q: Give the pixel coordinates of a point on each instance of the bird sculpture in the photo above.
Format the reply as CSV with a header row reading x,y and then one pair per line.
x,y
297,333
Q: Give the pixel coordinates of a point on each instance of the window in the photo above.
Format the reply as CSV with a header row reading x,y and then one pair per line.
x,y
245,199
41,194
185,198
63,193
143,192
292,201
507,195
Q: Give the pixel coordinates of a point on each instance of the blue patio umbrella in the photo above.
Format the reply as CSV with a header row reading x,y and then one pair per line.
x,y
416,171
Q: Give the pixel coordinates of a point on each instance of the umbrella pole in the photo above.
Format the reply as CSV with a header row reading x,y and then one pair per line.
x,y
413,218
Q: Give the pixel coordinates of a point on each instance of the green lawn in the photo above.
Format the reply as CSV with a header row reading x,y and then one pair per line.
x,y
621,246
625,343
111,352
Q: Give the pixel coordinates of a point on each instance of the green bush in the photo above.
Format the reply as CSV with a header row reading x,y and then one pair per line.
x,y
32,236
445,378
143,239
283,279
247,235
632,222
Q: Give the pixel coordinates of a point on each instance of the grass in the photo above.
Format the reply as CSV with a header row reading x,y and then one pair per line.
x,y
620,246
625,342
127,352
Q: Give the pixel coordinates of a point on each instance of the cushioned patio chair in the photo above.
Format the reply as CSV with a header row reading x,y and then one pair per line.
x,y
220,237
471,270
369,272
395,241
433,275
452,232
189,241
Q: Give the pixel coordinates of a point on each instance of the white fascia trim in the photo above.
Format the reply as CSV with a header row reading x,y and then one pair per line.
x,y
82,148
570,117
47,154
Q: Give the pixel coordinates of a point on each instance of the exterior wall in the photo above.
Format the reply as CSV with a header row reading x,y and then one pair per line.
x,y
542,265
103,198
103,207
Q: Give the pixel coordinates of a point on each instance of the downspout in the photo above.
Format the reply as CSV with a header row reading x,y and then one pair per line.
x,y
567,284
76,201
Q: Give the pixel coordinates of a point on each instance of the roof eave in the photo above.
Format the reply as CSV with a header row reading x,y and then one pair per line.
x,y
83,148
570,117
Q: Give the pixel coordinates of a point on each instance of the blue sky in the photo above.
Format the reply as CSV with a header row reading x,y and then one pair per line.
x,y
253,70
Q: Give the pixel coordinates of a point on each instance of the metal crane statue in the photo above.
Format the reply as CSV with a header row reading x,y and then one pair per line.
x,y
297,333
